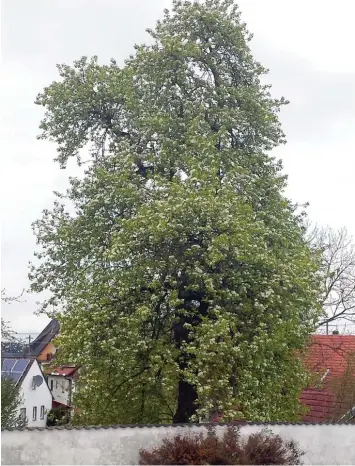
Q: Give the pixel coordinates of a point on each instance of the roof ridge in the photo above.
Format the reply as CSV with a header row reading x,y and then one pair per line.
x,y
48,333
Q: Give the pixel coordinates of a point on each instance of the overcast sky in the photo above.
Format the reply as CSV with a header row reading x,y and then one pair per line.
x,y
307,45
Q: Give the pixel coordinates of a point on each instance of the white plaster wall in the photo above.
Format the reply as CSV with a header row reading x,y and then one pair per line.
x,y
38,397
323,444
61,388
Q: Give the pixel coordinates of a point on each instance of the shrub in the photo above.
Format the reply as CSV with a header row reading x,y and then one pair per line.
x,y
260,448
57,417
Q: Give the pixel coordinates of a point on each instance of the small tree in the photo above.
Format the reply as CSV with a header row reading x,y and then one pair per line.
x,y
10,405
10,395
57,417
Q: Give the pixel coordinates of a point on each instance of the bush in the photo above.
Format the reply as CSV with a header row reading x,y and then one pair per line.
x,y
57,417
260,448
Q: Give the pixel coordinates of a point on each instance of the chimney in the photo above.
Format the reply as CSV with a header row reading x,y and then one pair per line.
x,y
335,332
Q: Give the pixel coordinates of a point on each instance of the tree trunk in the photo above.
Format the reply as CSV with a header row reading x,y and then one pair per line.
x,y
186,407
187,395
186,392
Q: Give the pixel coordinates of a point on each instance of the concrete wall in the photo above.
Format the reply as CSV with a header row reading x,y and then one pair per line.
x,y
323,444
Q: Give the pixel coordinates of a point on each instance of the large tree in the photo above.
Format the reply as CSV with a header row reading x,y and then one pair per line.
x,y
183,277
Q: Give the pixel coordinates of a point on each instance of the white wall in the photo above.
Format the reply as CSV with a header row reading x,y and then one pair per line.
x,y
323,444
41,396
61,388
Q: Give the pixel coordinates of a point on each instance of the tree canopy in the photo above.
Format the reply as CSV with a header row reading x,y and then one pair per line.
x,y
181,271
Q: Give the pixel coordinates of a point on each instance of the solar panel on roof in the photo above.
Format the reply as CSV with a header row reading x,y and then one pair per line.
x,y
8,364
15,376
14,368
20,365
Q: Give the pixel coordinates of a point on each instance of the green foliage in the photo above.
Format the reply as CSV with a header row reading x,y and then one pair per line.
x,y
7,334
10,405
57,417
183,274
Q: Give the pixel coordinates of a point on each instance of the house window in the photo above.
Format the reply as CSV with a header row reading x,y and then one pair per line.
x,y
51,385
49,356
34,417
23,413
42,412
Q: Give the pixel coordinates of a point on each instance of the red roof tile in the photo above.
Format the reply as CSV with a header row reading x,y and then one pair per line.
x,y
320,404
65,371
56,404
327,355
330,352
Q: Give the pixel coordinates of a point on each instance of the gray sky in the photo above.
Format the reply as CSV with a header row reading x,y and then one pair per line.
x,y
308,47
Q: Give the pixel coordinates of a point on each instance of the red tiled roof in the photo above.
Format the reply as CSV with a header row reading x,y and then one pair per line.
x,y
65,371
56,404
327,355
330,352
320,404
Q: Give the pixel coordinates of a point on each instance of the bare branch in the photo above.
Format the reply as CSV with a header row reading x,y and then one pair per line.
x,y
338,272
10,299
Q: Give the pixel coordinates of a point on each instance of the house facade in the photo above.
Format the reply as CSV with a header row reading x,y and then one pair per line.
x,y
36,398
61,382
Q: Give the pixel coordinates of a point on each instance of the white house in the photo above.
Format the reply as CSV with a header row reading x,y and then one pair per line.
x,y
61,383
35,394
